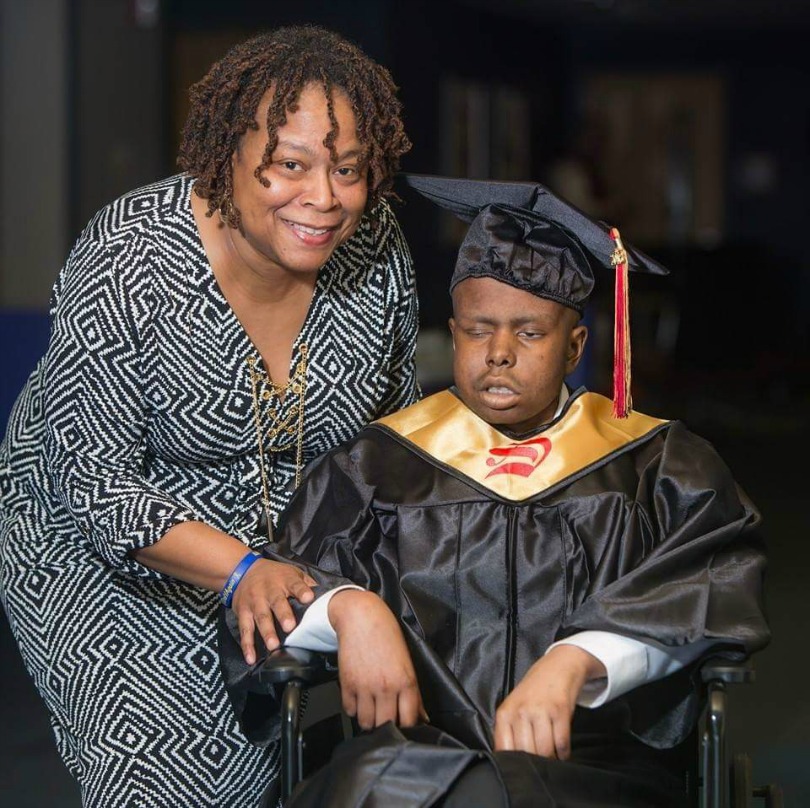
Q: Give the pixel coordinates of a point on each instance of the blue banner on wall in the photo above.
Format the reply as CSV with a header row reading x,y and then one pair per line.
x,y
23,339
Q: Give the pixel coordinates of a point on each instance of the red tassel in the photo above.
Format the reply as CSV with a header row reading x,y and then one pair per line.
x,y
622,400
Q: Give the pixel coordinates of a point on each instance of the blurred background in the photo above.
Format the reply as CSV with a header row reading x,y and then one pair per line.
x,y
684,122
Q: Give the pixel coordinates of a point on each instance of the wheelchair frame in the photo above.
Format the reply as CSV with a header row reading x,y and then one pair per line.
x,y
721,784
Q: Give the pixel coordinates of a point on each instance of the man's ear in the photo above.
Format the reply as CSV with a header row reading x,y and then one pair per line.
x,y
452,324
576,347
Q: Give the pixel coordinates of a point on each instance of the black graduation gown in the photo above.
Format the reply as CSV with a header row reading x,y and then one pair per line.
x,y
489,548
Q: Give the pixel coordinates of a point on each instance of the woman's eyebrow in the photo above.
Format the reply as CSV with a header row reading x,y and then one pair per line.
x,y
350,154
291,145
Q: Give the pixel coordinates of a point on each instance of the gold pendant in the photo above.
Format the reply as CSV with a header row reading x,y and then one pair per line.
x,y
297,385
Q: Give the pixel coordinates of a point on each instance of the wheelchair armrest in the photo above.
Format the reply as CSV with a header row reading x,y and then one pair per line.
x,y
290,664
715,671
716,675
292,669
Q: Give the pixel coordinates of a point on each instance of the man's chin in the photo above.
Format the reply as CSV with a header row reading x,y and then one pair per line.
x,y
500,414
503,416
510,419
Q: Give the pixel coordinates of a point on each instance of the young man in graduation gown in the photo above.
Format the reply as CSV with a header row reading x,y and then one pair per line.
x,y
540,573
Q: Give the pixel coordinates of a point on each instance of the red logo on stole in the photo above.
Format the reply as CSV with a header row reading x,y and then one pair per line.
x,y
519,458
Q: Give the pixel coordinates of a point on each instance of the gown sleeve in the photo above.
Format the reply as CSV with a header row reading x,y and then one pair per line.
x,y
342,532
701,582
329,530
94,402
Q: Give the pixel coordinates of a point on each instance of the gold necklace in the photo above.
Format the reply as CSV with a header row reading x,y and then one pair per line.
x,y
297,385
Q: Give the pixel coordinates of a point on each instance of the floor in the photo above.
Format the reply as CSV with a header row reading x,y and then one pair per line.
x,y
770,719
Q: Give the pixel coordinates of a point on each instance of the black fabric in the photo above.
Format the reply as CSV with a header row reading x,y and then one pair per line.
x,y
403,768
523,235
654,542
424,768
479,786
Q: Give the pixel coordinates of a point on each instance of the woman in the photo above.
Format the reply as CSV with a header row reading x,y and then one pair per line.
x,y
211,334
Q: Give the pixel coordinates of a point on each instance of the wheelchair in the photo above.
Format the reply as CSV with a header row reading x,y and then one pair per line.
x,y
723,779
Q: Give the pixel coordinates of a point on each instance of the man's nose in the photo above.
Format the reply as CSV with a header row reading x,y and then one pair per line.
x,y
501,351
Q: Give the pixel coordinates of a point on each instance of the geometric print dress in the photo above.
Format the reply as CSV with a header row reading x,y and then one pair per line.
x,y
139,417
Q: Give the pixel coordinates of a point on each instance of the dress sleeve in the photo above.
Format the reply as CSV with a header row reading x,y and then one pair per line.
x,y
94,401
402,314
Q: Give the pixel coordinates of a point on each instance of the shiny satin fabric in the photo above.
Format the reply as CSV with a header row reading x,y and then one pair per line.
x,y
446,430
424,768
653,541
533,203
401,768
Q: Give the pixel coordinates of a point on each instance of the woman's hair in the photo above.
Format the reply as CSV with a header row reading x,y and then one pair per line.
x,y
224,104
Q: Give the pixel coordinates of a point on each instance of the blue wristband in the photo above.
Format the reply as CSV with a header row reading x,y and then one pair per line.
x,y
226,595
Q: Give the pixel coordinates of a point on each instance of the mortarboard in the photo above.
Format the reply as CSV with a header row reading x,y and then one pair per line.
x,y
523,235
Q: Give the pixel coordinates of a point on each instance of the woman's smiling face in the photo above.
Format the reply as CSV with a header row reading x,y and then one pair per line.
x,y
312,204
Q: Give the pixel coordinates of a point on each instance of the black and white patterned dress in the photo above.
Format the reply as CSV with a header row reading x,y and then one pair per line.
x,y
139,417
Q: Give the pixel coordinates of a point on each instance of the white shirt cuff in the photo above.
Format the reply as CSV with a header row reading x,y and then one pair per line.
x,y
629,663
315,632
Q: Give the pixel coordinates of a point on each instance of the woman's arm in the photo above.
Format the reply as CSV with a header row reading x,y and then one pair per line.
x,y
203,556
96,422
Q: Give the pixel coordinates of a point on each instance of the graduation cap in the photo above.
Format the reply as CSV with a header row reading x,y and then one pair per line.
x,y
523,235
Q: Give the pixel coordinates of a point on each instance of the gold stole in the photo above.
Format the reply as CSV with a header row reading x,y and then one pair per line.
x,y
446,429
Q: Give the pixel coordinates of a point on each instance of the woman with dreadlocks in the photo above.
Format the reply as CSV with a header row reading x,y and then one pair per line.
x,y
211,334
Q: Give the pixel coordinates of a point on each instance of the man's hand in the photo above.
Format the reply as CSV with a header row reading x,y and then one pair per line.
x,y
536,716
262,593
377,679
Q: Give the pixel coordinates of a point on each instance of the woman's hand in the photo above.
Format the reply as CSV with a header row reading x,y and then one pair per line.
x,y
377,679
536,716
263,592
204,556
